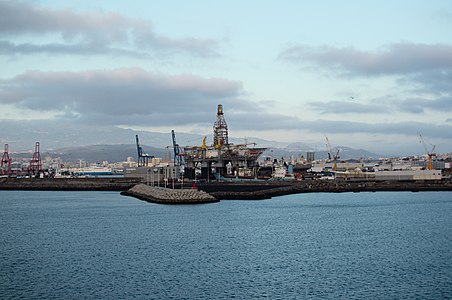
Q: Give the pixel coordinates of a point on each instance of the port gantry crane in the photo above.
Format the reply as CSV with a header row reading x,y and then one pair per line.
x,y
143,158
178,154
430,153
35,167
6,162
330,153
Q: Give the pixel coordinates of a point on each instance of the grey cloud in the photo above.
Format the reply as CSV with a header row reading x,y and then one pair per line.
x,y
136,97
422,69
20,17
434,82
419,105
115,94
381,106
344,107
397,58
402,128
88,33
8,48
261,121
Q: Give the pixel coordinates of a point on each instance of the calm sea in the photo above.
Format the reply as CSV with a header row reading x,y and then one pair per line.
x,y
100,245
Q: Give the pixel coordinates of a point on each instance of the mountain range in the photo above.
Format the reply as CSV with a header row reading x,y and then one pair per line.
x,y
120,152
96,144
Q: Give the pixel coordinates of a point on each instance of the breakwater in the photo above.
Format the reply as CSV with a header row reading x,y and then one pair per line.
x,y
246,190
169,196
68,184
265,190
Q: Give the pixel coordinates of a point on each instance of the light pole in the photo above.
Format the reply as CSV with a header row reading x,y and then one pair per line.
x,y
158,176
155,170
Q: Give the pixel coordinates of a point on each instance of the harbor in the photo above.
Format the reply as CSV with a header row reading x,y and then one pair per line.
x,y
244,190
226,171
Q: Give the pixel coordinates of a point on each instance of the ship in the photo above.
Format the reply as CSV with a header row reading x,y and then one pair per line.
x,y
92,171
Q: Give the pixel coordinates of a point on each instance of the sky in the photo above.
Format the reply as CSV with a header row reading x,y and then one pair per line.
x,y
367,74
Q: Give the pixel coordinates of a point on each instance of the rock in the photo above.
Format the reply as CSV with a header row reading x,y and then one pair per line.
x,y
168,196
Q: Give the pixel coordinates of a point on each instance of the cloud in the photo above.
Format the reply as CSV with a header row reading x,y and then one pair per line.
x,y
433,82
135,97
346,107
396,128
119,95
419,105
87,33
397,58
424,71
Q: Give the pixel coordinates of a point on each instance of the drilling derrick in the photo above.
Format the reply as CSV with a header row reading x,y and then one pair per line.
x,y
220,129
35,162
6,162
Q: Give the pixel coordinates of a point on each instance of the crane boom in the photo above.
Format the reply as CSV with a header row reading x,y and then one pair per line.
x,y
178,155
430,153
143,158
330,153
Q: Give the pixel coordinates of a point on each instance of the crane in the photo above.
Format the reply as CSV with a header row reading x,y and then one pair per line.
x,y
330,153
178,152
6,162
35,167
143,158
430,153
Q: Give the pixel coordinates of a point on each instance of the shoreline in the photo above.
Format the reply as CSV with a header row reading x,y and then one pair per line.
x,y
229,190
265,191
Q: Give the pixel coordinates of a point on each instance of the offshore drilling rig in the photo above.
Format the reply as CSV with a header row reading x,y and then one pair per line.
x,y
222,159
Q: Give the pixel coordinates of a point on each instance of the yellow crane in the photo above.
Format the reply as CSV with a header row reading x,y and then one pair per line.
x,y
430,153
330,153
204,145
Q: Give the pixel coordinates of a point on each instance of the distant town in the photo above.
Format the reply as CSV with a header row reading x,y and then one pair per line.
x,y
221,160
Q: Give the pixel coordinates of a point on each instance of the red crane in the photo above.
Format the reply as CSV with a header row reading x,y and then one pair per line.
x,y
35,162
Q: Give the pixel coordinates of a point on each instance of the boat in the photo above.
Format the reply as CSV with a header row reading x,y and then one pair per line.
x,y
92,171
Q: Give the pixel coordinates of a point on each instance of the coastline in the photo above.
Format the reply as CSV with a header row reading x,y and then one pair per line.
x,y
229,190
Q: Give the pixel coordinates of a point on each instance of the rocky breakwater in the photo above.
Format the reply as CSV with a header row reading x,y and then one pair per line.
x,y
67,184
169,196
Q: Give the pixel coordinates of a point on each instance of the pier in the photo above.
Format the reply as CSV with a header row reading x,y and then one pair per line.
x,y
246,190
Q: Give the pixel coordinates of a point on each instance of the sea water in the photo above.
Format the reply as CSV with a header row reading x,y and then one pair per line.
x,y
100,245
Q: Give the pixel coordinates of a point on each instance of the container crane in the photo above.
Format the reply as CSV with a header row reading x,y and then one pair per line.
x,y
6,162
178,152
143,158
35,167
178,155
330,153
430,153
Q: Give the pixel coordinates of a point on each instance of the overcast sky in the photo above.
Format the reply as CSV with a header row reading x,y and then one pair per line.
x,y
368,74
